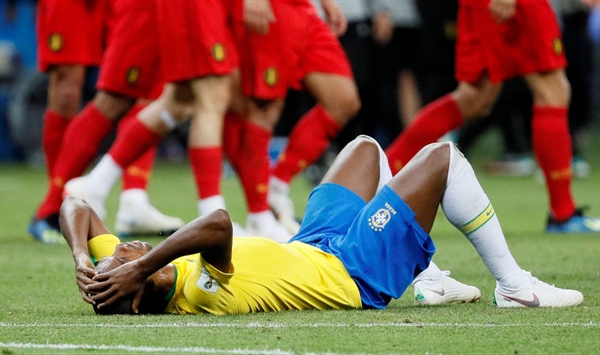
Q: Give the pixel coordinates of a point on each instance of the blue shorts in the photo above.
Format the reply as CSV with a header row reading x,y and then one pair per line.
x,y
380,243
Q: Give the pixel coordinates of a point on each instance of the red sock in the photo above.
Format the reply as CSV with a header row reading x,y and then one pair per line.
x,y
552,146
133,140
80,145
53,132
207,166
137,174
431,122
307,142
232,137
253,167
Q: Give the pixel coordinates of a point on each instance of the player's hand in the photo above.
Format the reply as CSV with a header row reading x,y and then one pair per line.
x,y
258,15
119,283
84,272
502,10
383,28
335,17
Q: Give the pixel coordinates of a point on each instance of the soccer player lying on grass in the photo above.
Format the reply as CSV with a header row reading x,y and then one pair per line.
x,y
363,240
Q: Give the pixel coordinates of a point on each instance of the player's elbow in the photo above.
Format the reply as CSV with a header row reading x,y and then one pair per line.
x,y
221,223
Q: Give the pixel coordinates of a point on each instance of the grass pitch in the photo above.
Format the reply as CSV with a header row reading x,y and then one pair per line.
x,y
41,311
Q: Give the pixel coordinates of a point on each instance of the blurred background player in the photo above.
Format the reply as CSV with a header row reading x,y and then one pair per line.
x,y
196,68
498,40
293,48
71,37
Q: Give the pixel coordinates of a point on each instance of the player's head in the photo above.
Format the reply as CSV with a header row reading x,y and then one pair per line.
x,y
124,253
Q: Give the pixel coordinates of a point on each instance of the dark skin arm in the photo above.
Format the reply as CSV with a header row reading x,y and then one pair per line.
x,y
209,235
79,223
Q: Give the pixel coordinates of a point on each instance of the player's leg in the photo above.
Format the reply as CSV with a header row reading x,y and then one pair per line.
x,y
468,101
324,70
133,140
64,98
136,215
552,146
450,181
205,139
253,168
80,145
337,102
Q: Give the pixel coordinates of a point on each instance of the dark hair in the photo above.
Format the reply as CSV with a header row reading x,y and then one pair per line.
x,y
122,306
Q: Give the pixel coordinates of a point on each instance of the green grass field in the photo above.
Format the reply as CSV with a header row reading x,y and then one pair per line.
x,y
41,311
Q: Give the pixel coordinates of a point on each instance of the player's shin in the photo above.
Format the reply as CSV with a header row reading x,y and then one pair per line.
x,y
468,208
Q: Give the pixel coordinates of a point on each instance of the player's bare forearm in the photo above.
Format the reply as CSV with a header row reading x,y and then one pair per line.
x,y
210,235
335,17
78,224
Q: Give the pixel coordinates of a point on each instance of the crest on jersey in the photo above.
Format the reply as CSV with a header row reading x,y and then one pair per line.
x,y
558,46
133,75
206,282
378,221
271,76
56,42
218,52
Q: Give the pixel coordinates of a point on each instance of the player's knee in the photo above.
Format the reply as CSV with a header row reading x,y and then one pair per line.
x,y
366,145
556,94
344,107
436,156
67,99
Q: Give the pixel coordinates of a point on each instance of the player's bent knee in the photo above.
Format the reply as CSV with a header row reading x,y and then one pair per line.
x,y
435,155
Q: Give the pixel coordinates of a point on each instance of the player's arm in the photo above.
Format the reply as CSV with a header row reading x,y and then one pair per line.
x,y
502,10
335,17
209,235
79,223
258,15
382,24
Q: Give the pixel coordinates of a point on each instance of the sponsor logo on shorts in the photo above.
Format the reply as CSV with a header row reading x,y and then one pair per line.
x,y
206,282
56,42
218,52
558,46
380,219
133,75
271,76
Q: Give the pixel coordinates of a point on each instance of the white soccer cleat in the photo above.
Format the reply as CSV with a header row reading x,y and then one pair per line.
x,y
281,205
445,291
137,216
265,225
536,293
78,187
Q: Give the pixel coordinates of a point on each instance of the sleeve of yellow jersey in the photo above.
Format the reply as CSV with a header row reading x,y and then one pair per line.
x,y
102,246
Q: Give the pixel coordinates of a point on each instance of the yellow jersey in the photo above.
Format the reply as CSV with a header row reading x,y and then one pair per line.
x,y
265,276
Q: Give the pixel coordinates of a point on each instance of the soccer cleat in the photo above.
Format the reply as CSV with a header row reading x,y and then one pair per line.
x,y
78,187
46,230
141,218
578,223
282,206
536,293
268,227
444,291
